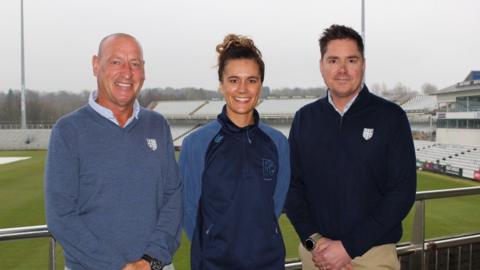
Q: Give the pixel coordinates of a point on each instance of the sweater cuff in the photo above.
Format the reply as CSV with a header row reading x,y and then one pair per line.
x,y
353,247
307,232
161,255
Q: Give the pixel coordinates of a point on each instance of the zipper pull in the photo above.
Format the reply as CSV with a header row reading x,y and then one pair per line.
x,y
248,138
208,229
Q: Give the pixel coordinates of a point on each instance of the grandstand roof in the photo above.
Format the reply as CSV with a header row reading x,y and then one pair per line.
x,y
186,116
266,107
471,83
473,75
420,103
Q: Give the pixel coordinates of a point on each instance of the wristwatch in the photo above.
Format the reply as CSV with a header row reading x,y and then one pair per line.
x,y
155,264
310,242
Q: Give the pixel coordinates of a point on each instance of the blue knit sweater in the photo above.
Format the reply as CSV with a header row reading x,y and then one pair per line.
x,y
112,194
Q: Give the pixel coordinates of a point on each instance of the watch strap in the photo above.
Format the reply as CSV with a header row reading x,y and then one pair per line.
x,y
316,236
148,258
155,264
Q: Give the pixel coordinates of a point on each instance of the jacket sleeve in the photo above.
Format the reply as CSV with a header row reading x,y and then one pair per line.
x,y
283,176
296,204
193,185
400,191
165,239
62,210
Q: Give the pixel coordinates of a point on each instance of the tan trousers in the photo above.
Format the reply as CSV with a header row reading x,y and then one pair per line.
x,y
377,258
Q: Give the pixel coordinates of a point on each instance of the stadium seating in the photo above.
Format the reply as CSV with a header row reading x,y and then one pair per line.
x,y
465,157
211,108
179,132
282,107
178,108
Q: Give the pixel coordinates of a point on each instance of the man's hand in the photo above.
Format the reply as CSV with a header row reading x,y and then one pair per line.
x,y
331,255
137,265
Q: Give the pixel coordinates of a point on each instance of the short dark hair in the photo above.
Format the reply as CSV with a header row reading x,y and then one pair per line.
x,y
336,31
238,47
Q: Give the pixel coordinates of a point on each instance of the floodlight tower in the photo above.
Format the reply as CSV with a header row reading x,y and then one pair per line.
x,y
363,21
23,110
363,36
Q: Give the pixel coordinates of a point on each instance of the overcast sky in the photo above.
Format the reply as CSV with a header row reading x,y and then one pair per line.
x,y
407,41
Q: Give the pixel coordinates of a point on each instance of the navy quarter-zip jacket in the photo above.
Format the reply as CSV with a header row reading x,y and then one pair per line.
x,y
235,180
353,177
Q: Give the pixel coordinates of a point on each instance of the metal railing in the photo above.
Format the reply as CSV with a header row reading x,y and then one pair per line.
x,y
32,232
417,249
417,242
418,246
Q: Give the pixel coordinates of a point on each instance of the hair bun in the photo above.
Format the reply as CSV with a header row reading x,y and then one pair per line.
x,y
238,47
236,41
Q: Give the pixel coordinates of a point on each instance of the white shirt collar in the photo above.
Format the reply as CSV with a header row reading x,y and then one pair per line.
x,y
107,113
347,106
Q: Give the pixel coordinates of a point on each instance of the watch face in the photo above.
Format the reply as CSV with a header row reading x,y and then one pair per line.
x,y
309,244
156,264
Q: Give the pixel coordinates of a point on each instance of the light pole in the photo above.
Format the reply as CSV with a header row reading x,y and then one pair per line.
x,y
23,111
363,36
363,21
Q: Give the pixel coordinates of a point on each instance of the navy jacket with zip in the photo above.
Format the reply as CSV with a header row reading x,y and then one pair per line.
x,y
235,183
353,177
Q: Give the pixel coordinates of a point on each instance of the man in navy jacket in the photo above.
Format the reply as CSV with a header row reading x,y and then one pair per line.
x,y
353,166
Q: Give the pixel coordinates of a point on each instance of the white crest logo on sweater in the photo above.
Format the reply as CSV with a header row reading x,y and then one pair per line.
x,y
152,144
367,133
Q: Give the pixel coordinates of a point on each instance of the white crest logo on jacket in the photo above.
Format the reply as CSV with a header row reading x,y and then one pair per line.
x,y
152,144
367,133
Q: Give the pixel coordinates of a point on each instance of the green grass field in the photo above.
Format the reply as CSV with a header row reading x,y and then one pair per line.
x,y
21,204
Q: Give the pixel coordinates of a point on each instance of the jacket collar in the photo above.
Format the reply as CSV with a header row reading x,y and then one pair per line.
x,y
229,126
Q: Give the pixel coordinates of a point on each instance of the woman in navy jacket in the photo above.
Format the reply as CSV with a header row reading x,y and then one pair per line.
x,y
236,173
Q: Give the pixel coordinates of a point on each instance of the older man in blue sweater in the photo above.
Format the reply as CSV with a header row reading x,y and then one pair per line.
x,y
353,166
113,194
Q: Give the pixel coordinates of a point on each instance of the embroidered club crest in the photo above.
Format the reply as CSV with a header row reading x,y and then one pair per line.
x,y
268,169
367,133
152,144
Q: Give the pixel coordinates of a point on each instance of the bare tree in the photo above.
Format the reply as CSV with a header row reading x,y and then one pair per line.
x,y
41,107
379,89
428,88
